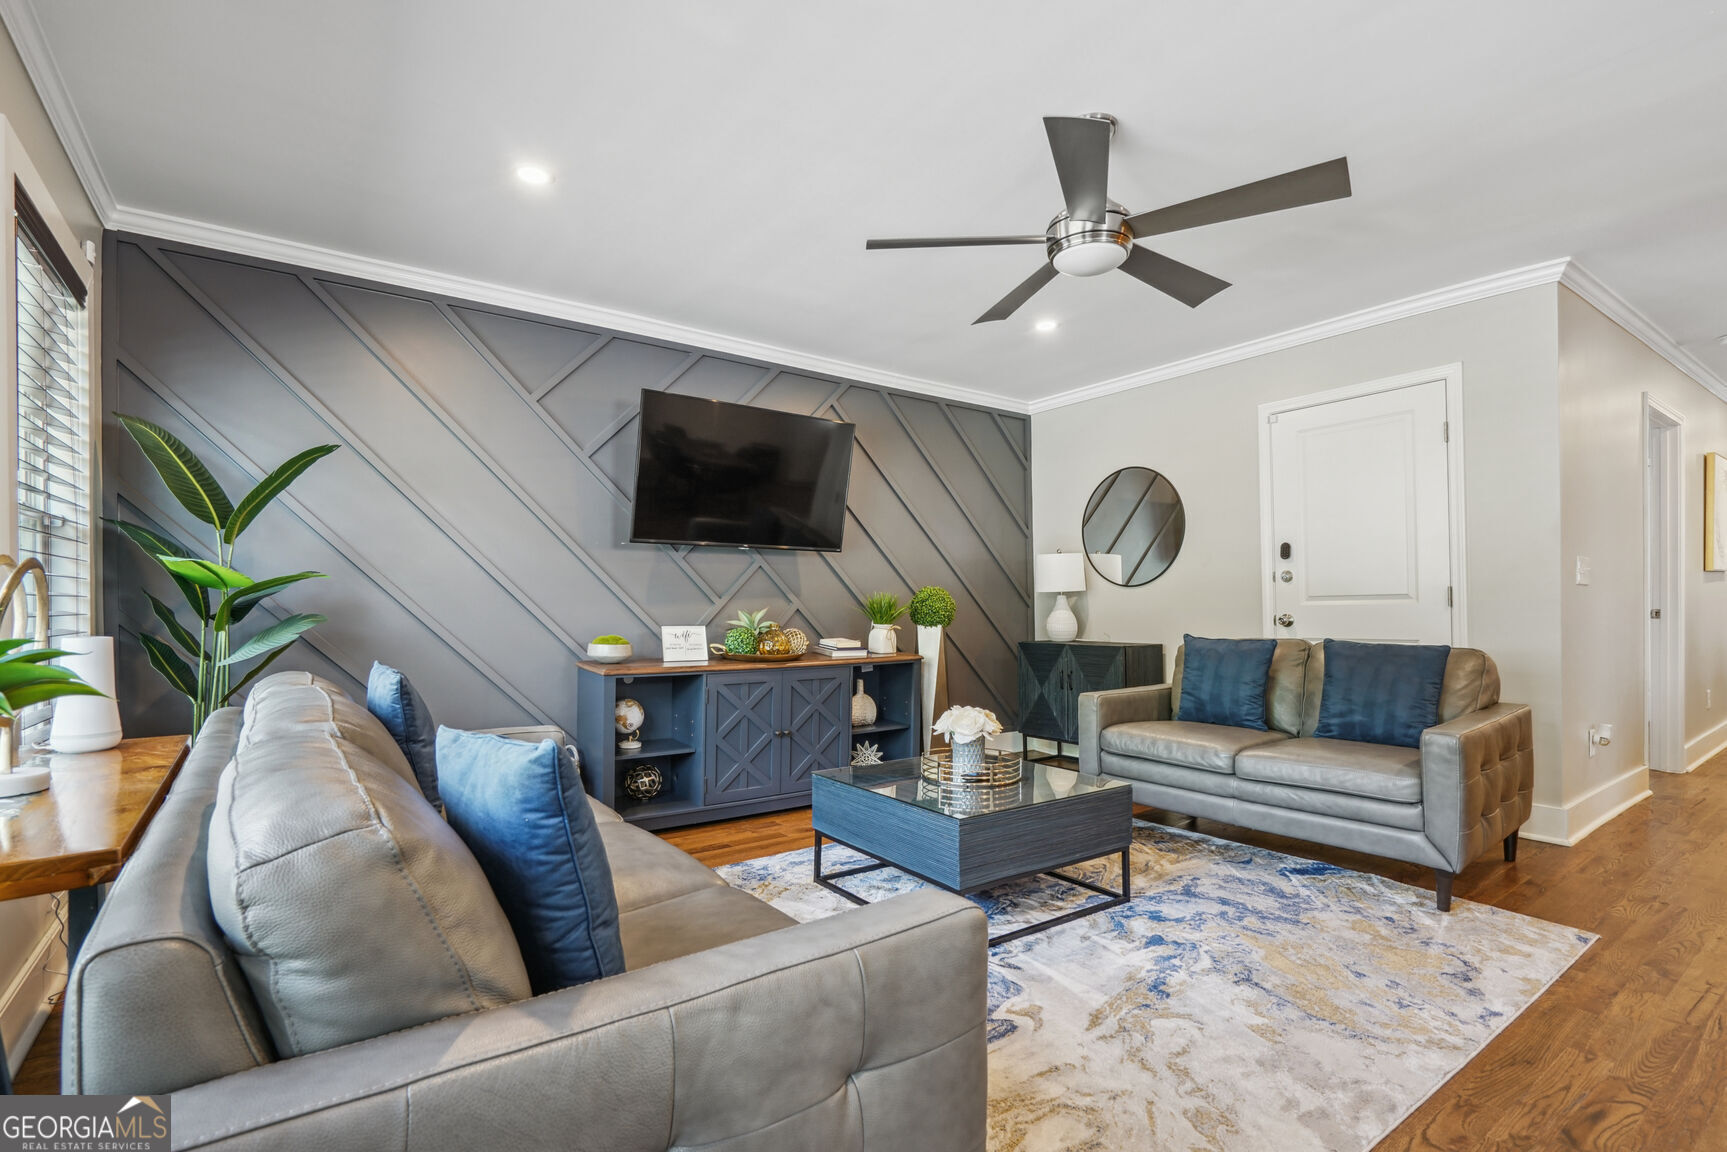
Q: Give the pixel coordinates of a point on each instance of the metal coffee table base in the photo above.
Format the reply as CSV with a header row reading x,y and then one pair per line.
x,y
1116,899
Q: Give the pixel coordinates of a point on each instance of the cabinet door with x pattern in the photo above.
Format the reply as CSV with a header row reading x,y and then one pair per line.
x,y
742,736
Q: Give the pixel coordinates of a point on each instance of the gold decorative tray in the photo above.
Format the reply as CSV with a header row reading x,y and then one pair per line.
x,y
999,770
756,657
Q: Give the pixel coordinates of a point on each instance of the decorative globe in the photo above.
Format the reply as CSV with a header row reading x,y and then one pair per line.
x,y
799,642
629,717
773,642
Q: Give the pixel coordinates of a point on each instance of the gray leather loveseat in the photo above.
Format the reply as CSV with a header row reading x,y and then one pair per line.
x,y
1467,786
733,1027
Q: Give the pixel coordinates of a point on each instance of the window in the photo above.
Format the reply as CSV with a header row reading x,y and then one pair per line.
x,y
54,467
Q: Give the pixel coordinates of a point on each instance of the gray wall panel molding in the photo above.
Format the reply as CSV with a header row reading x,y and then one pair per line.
x,y
474,525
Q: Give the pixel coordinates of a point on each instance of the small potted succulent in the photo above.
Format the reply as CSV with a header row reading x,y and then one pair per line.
x,y
882,609
609,649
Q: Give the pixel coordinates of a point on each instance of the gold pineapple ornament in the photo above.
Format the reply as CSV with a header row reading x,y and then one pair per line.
x,y
773,642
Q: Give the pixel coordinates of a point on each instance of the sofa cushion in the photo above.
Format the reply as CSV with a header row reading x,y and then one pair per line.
x,y
521,810
695,922
1471,684
1342,805
1381,693
352,907
1212,747
1223,681
647,870
404,714
1382,771
1285,683
1140,771
304,704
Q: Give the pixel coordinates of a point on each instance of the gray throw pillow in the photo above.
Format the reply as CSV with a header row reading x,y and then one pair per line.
x,y
352,907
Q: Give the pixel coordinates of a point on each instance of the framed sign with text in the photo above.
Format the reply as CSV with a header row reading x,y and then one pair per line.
x,y
684,644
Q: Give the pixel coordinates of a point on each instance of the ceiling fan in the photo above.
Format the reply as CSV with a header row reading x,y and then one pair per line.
x,y
1096,235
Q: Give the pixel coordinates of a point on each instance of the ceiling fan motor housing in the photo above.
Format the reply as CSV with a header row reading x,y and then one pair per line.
x,y
1090,247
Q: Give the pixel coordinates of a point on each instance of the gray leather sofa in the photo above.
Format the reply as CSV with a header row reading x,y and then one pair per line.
x,y
1467,787
733,1027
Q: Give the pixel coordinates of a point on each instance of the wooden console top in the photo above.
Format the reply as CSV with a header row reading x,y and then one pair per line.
x,y
645,667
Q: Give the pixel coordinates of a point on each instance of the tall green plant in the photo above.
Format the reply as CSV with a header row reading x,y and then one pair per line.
x,y
211,647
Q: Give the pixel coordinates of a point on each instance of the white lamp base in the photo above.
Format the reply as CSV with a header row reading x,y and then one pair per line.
x,y
1062,624
23,781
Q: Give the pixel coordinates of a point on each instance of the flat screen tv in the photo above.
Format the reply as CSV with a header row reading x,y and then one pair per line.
x,y
708,472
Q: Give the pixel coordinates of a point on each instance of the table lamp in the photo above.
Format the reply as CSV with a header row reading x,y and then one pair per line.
x,y
1061,573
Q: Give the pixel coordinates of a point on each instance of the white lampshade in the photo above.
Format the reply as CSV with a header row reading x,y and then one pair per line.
x,y
1108,565
1060,572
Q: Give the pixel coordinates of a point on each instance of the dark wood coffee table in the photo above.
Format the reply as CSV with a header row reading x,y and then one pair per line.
x,y
971,839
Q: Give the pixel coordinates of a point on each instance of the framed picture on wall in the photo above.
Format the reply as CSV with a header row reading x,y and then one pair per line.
x,y
1714,512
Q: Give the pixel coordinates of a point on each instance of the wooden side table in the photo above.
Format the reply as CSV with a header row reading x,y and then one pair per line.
x,y
78,834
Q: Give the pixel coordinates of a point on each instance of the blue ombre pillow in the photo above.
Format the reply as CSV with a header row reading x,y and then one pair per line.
x,y
1381,693
405,716
1223,681
521,811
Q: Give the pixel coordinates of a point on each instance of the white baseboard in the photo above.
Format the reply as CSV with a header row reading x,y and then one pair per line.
x,y
1705,746
1568,824
25,1004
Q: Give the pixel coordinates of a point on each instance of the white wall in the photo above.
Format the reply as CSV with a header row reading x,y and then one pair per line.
x,y
30,961
1202,432
1603,373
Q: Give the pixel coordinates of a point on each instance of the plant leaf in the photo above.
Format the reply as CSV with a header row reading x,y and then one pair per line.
x,y
36,693
188,643
236,605
205,573
173,669
31,655
181,470
269,488
257,669
16,675
161,547
284,631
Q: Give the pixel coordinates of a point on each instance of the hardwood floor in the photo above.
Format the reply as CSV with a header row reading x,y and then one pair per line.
x,y
1624,1052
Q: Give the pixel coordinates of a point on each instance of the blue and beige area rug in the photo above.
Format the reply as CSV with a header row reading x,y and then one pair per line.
x,y
1243,1000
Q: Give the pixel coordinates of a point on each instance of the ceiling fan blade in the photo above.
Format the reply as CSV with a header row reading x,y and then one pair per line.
x,y
1010,303
1313,185
1080,145
953,241
1171,277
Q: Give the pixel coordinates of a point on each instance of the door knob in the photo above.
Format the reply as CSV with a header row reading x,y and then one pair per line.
x,y
1285,620
1286,575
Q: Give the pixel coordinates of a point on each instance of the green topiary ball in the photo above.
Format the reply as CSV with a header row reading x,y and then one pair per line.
x,y
932,607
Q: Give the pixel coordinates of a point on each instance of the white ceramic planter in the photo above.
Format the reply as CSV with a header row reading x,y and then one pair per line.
x,y
883,639
933,686
609,653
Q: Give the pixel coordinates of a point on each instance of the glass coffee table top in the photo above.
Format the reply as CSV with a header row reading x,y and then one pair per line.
x,y
901,780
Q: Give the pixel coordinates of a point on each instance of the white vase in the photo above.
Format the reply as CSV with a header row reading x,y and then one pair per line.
x,y
968,758
882,641
863,709
933,687
87,723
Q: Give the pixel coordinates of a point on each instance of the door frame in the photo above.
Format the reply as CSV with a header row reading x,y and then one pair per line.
x,y
1452,377
1664,587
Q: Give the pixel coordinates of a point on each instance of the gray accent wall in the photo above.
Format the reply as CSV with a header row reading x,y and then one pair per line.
x,y
474,523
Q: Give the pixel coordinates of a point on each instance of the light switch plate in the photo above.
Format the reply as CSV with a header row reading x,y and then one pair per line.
x,y
1583,569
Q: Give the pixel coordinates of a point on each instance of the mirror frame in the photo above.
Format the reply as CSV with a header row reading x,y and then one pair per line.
x,y
1101,487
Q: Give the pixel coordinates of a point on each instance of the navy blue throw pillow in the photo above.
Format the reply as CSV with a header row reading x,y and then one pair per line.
x,y
521,811
405,716
1223,681
1381,693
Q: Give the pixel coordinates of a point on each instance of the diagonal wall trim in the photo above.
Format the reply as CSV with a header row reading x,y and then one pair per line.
x,y
450,448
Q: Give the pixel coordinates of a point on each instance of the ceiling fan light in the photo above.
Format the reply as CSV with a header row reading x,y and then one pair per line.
x,y
1090,259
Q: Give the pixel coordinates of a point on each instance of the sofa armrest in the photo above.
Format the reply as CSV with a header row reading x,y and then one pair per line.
x,y
861,1030
1099,710
1477,779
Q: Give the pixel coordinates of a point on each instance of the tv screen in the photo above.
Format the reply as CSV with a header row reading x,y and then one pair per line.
x,y
708,472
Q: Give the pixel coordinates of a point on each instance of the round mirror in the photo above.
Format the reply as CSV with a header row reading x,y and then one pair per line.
x,y
1134,524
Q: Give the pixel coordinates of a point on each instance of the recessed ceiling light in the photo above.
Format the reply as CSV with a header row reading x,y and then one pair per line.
x,y
1046,325
533,174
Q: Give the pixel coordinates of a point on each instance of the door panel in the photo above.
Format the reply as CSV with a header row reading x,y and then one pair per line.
x,y
818,726
1038,687
740,737
1360,495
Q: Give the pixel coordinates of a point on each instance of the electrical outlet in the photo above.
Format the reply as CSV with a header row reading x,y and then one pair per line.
x,y
1583,569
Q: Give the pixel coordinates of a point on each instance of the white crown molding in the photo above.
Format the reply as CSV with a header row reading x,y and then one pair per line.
x,y
1617,309
385,272
26,32
1546,272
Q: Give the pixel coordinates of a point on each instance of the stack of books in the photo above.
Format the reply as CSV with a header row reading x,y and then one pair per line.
x,y
839,647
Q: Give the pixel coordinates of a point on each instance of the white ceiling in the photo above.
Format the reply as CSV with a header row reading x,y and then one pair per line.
x,y
719,165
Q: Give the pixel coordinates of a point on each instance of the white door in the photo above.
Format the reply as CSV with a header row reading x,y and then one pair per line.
x,y
1360,518
1664,678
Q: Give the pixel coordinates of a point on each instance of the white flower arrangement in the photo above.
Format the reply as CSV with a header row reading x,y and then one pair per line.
x,y
962,725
